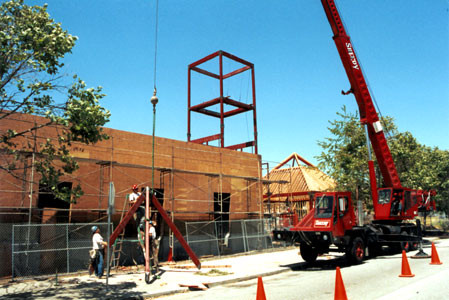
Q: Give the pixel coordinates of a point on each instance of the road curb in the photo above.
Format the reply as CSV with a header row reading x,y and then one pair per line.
x,y
244,278
165,293
214,284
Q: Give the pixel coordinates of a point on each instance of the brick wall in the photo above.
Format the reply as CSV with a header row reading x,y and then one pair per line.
x,y
188,173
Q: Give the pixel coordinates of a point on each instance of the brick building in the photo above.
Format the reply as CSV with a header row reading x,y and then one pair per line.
x,y
191,178
194,182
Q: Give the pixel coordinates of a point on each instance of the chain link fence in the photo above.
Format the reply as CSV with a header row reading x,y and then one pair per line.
x,y
228,237
48,249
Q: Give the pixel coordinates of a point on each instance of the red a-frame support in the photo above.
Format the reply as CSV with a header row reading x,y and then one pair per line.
x,y
240,107
166,218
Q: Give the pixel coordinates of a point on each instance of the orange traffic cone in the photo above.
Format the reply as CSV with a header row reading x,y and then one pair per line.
x,y
260,290
340,291
405,271
435,259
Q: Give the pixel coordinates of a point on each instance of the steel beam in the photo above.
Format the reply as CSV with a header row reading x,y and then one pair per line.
x,y
241,70
206,139
176,232
235,112
205,104
202,71
208,112
238,59
204,59
189,112
241,146
288,194
236,103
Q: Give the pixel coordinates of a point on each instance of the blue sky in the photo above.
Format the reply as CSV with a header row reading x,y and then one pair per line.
x,y
403,47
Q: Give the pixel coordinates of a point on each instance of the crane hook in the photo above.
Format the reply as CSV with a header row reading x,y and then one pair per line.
x,y
348,92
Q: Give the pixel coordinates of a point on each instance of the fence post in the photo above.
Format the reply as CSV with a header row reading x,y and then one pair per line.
x,y
245,242
68,251
260,234
217,237
268,225
12,254
187,232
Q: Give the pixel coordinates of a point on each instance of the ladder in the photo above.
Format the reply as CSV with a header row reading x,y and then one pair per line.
x,y
118,244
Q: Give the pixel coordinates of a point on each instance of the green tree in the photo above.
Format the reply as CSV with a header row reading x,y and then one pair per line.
x,y
32,48
345,157
437,161
422,167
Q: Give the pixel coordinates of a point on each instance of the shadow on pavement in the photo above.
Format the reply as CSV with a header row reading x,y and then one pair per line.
x,y
319,265
83,290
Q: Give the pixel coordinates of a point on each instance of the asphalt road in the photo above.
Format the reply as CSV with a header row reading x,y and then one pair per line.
x,y
376,278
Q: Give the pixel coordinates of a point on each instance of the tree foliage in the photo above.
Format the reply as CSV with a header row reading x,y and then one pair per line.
x,y
32,48
345,155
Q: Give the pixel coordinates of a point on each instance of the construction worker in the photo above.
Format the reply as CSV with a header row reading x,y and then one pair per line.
x,y
140,212
141,237
98,246
154,243
135,194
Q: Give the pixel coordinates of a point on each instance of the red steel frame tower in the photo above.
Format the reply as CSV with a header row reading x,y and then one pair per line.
x,y
239,106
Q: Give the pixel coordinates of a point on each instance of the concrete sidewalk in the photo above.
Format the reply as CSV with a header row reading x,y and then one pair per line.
x,y
176,278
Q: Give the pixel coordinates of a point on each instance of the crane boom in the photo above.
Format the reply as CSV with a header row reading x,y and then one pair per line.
x,y
368,113
392,201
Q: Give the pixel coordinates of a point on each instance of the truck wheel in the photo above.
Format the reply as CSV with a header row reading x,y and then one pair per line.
x,y
356,253
308,253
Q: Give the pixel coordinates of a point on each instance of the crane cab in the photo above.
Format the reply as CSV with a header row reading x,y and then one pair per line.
x,y
328,223
333,214
396,204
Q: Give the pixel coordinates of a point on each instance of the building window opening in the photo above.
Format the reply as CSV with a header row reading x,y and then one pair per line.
x,y
222,203
52,209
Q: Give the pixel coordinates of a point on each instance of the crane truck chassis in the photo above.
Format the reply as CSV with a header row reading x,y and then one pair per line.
x,y
331,225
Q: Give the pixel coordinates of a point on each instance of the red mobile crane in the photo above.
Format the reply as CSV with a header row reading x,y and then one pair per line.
x,y
333,221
